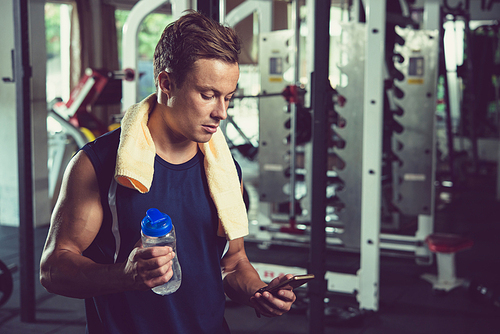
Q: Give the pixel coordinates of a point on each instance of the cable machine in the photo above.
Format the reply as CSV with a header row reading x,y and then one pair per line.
x,y
361,186
378,123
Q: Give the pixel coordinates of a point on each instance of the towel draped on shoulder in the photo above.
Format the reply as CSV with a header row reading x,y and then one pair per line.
x,y
135,167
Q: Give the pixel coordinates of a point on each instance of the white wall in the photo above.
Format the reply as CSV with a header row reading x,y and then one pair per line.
x,y
9,194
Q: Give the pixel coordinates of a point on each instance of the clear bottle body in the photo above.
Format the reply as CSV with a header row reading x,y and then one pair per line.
x,y
167,240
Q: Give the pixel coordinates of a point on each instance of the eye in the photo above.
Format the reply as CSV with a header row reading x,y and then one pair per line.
x,y
229,98
206,97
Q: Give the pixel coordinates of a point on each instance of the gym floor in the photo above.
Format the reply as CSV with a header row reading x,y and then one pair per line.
x,y
407,303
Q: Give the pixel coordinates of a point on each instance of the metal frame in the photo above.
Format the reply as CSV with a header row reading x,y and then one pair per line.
x,y
417,175
129,42
319,99
366,280
78,101
263,8
145,7
211,8
372,154
22,78
273,160
353,48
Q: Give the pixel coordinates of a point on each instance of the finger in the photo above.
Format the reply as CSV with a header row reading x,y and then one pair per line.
x,y
270,306
156,281
282,302
155,262
162,279
260,308
157,276
286,295
277,280
283,278
156,269
152,252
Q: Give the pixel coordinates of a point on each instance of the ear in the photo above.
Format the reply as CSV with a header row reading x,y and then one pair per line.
x,y
165,83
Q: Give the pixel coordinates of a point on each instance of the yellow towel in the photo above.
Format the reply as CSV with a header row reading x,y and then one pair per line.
x,y
135,161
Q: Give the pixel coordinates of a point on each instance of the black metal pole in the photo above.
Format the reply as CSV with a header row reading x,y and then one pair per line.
x,y
209,7
22,76
469,99
319,102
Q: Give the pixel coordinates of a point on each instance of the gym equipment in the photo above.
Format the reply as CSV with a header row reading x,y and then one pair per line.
x,y
274,150
96,87
445,246
6,283
373,192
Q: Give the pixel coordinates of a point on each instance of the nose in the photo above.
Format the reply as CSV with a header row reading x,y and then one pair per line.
x,y
220,109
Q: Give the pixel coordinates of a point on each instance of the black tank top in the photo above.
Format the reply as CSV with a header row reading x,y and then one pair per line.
x,y
181,191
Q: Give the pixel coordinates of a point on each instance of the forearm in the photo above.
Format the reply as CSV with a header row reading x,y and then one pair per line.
x,y
76,276
242,282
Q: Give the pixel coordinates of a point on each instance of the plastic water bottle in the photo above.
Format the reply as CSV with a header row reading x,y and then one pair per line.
x,y
157,230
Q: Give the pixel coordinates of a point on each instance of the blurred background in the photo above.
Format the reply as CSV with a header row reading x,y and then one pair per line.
x,y
367,131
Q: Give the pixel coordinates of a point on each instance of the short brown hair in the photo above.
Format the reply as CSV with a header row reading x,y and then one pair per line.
x,y
193,36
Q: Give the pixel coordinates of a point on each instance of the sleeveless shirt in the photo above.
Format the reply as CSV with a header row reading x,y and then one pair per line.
x,y
181,191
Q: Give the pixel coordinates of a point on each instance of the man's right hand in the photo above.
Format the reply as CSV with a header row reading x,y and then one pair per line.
x,y
76,221
149,267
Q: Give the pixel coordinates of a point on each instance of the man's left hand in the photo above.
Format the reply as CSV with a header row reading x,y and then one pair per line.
x,y
274,304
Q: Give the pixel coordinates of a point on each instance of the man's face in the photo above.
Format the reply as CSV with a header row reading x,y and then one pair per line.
x,y
195,110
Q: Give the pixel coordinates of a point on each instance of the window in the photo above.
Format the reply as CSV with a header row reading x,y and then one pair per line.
x,y
57,34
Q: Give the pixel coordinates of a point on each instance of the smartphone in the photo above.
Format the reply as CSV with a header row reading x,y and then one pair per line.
x,y
294,282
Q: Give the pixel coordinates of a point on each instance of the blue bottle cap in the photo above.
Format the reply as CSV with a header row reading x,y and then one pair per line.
x,y
156,223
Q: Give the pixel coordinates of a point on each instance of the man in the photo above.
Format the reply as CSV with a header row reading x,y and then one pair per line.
x,y
92,249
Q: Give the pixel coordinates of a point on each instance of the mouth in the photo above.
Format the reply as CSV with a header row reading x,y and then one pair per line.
x,y
210,128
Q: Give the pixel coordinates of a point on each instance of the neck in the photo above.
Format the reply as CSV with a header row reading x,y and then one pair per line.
x,y
170,147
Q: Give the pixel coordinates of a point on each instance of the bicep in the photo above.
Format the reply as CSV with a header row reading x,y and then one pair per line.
x,y
77,215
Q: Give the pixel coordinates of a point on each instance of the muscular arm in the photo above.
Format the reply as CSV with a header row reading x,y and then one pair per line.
x,y
241,282
75,222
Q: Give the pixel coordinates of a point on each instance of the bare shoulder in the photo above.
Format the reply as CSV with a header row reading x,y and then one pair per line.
x,y
77,216
79,171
